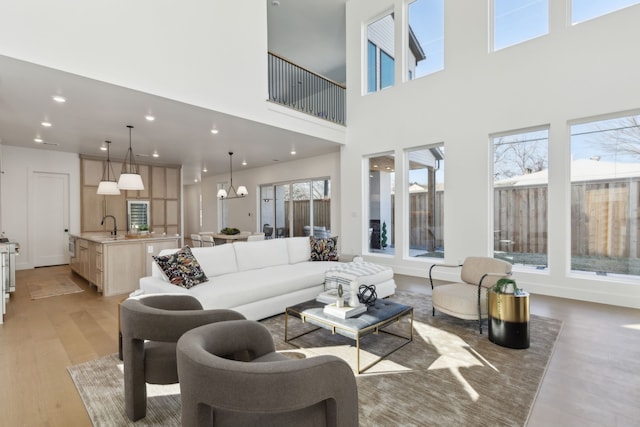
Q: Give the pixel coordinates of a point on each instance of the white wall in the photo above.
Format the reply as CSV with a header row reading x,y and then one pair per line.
x,y
212,54
18,164
191,209
244,213
574,72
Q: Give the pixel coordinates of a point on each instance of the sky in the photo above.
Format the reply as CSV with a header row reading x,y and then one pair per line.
x,y
516,21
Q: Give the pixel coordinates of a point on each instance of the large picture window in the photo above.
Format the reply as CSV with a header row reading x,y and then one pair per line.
x,y
425,50
425,193
380,71
380,231
300,208
605,196
520,182
516,21
583,10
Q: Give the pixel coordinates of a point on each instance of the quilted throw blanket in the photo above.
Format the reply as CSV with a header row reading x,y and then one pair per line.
x,y
348,271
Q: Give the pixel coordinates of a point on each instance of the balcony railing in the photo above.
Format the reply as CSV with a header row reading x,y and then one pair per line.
x,y
305,91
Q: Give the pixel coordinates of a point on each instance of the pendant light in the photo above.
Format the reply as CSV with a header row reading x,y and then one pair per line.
x,y
107,185
130,178
242,190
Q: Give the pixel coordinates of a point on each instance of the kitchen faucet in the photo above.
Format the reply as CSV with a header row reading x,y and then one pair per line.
x,y
115,225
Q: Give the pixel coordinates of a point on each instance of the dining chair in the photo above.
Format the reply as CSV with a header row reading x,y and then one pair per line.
x,y
208,241
196,240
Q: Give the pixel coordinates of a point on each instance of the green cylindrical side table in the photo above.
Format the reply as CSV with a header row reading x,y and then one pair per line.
x,y
509,319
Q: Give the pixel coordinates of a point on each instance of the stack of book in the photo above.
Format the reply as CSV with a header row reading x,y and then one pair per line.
x,y
344,312
327,297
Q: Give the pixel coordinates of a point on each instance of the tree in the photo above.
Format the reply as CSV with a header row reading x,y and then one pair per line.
x,y
618,136
519,155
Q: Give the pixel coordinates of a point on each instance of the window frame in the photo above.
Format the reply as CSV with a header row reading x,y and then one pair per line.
x,y
494,235
437,210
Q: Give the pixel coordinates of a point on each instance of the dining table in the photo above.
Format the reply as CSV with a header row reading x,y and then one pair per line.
x,y
227,238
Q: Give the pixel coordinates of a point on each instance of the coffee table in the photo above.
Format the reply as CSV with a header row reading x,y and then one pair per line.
x,y
378,316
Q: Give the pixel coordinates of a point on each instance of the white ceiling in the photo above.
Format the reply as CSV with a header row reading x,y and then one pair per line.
x,y
308,32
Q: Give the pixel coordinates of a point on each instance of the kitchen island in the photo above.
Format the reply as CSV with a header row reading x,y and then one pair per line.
x,y
114,265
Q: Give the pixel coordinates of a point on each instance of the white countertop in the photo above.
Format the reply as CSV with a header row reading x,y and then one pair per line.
x,y
106,238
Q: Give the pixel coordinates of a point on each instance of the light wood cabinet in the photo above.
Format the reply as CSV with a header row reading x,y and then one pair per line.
x,y
96,206
92,172
99,266
161,187
172,176
83,257
115,267
144,171
158,183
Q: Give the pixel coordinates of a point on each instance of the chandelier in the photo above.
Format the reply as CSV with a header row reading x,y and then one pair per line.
x,y
107,185
242,190
130,178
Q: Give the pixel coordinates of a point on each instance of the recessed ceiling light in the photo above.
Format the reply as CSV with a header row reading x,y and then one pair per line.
x,y
293,152
195,180
103,147
214,131
155,154
46,124
149,118
244,163
205,170
38,140
59,98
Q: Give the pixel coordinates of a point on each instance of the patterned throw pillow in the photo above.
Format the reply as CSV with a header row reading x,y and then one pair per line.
x,y
324,249
181,268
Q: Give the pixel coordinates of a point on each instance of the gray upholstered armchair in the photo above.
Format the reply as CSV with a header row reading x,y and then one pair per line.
x,y
151,327
230,375
467,299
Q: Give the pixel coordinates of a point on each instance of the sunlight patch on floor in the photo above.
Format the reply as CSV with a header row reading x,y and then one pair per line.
x,y
454,352
348,354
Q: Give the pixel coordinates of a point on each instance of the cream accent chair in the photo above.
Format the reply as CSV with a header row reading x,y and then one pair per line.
x,y
208,241
468,299
196,240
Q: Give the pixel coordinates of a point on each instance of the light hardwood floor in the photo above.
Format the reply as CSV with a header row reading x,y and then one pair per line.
x,y
593,378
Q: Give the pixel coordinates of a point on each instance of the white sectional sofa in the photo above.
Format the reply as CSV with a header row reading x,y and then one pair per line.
x,y
258,279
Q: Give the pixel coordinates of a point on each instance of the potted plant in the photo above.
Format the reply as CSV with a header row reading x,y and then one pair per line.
x,y
383,236
501,286
143,228
508,314
230,231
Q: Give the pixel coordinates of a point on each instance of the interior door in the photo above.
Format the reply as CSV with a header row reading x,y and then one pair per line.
x,y
50,236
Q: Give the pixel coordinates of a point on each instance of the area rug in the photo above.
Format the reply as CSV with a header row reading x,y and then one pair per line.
x,y
450,375
52,287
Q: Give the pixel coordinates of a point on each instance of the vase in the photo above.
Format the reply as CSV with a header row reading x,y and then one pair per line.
x,y
354,301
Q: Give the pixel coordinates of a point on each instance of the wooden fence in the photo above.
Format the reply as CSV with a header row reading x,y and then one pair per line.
x,y
302,217
426,232
604,219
